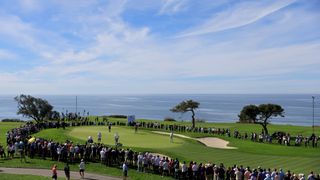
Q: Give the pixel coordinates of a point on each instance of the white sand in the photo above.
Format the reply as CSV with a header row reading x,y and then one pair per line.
x,y
208,141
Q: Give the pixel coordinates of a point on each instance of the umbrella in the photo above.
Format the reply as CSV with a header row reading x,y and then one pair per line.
x,y
31,140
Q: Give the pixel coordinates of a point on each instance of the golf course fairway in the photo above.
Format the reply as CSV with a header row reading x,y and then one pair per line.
x,y
128,137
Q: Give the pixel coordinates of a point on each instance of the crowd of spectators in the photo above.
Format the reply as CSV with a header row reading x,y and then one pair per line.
x,y
20,143
281,138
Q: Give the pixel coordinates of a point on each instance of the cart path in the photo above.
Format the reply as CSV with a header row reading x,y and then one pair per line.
x,y
48,173
208,141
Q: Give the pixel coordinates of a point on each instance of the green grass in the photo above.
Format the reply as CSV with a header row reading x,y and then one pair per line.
x,y
5,176
4,127
297,159
59,135
241,127
90,167
248,153
128,137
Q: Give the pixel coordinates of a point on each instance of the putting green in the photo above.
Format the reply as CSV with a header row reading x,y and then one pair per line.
x,y
128,137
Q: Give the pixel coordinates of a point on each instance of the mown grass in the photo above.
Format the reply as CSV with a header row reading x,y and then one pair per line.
x,y
253,154
241,127
4,127
297,159
5,176
90,167
128,137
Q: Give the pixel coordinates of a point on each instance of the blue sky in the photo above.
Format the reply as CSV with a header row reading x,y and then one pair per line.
x,y
159,46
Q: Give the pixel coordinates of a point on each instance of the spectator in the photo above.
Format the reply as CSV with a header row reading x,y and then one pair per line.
x,y
125,170
81,168
67,171
54,172
311,176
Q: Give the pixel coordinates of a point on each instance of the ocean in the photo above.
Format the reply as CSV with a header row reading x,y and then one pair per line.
x,y
213,107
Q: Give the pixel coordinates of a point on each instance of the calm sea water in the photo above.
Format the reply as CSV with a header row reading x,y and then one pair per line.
x,y
214,108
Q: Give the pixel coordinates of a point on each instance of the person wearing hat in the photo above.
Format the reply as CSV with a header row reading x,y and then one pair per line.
x,y
301,177
247,173
81,168
281,174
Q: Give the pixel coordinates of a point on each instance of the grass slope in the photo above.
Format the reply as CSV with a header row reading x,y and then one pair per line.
x,y
4,127
297,159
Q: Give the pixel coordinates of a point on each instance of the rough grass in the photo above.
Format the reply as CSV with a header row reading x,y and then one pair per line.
x,y
5,176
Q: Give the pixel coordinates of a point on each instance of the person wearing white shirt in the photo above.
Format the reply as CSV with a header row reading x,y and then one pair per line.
x,y
165,167
184,170
140,158
195,169
81,168
102,156
125,170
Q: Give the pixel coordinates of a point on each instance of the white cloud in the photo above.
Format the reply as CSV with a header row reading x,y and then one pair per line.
x,y
172,7
5,55
30,5
27,36
237,16
117,57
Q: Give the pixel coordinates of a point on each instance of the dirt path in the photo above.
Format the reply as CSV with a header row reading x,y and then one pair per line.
x,y
47,173
208,141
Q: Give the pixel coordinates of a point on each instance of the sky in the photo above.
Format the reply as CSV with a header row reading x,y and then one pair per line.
x,y
159,46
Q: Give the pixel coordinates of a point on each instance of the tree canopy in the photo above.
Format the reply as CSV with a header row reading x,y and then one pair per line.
x,y
187,106
260,114
35,108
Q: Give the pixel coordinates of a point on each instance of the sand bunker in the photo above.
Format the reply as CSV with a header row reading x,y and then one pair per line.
x,y
208,141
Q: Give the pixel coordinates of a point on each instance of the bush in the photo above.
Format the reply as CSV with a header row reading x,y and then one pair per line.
x,y
169,119
118,116
12,120
200,120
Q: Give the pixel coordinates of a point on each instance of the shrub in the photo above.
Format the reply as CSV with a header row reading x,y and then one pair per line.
x,y
169,119
200,120
118,116
12,120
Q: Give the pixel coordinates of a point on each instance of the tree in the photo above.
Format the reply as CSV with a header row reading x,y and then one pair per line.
x,y
53,115
249,114
35,108
261,114
187,106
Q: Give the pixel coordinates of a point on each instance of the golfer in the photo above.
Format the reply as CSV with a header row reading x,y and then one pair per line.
x,y
99,137
171,136
116,138
109,127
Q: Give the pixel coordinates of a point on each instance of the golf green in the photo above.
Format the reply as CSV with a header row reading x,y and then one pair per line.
x,y
127,136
